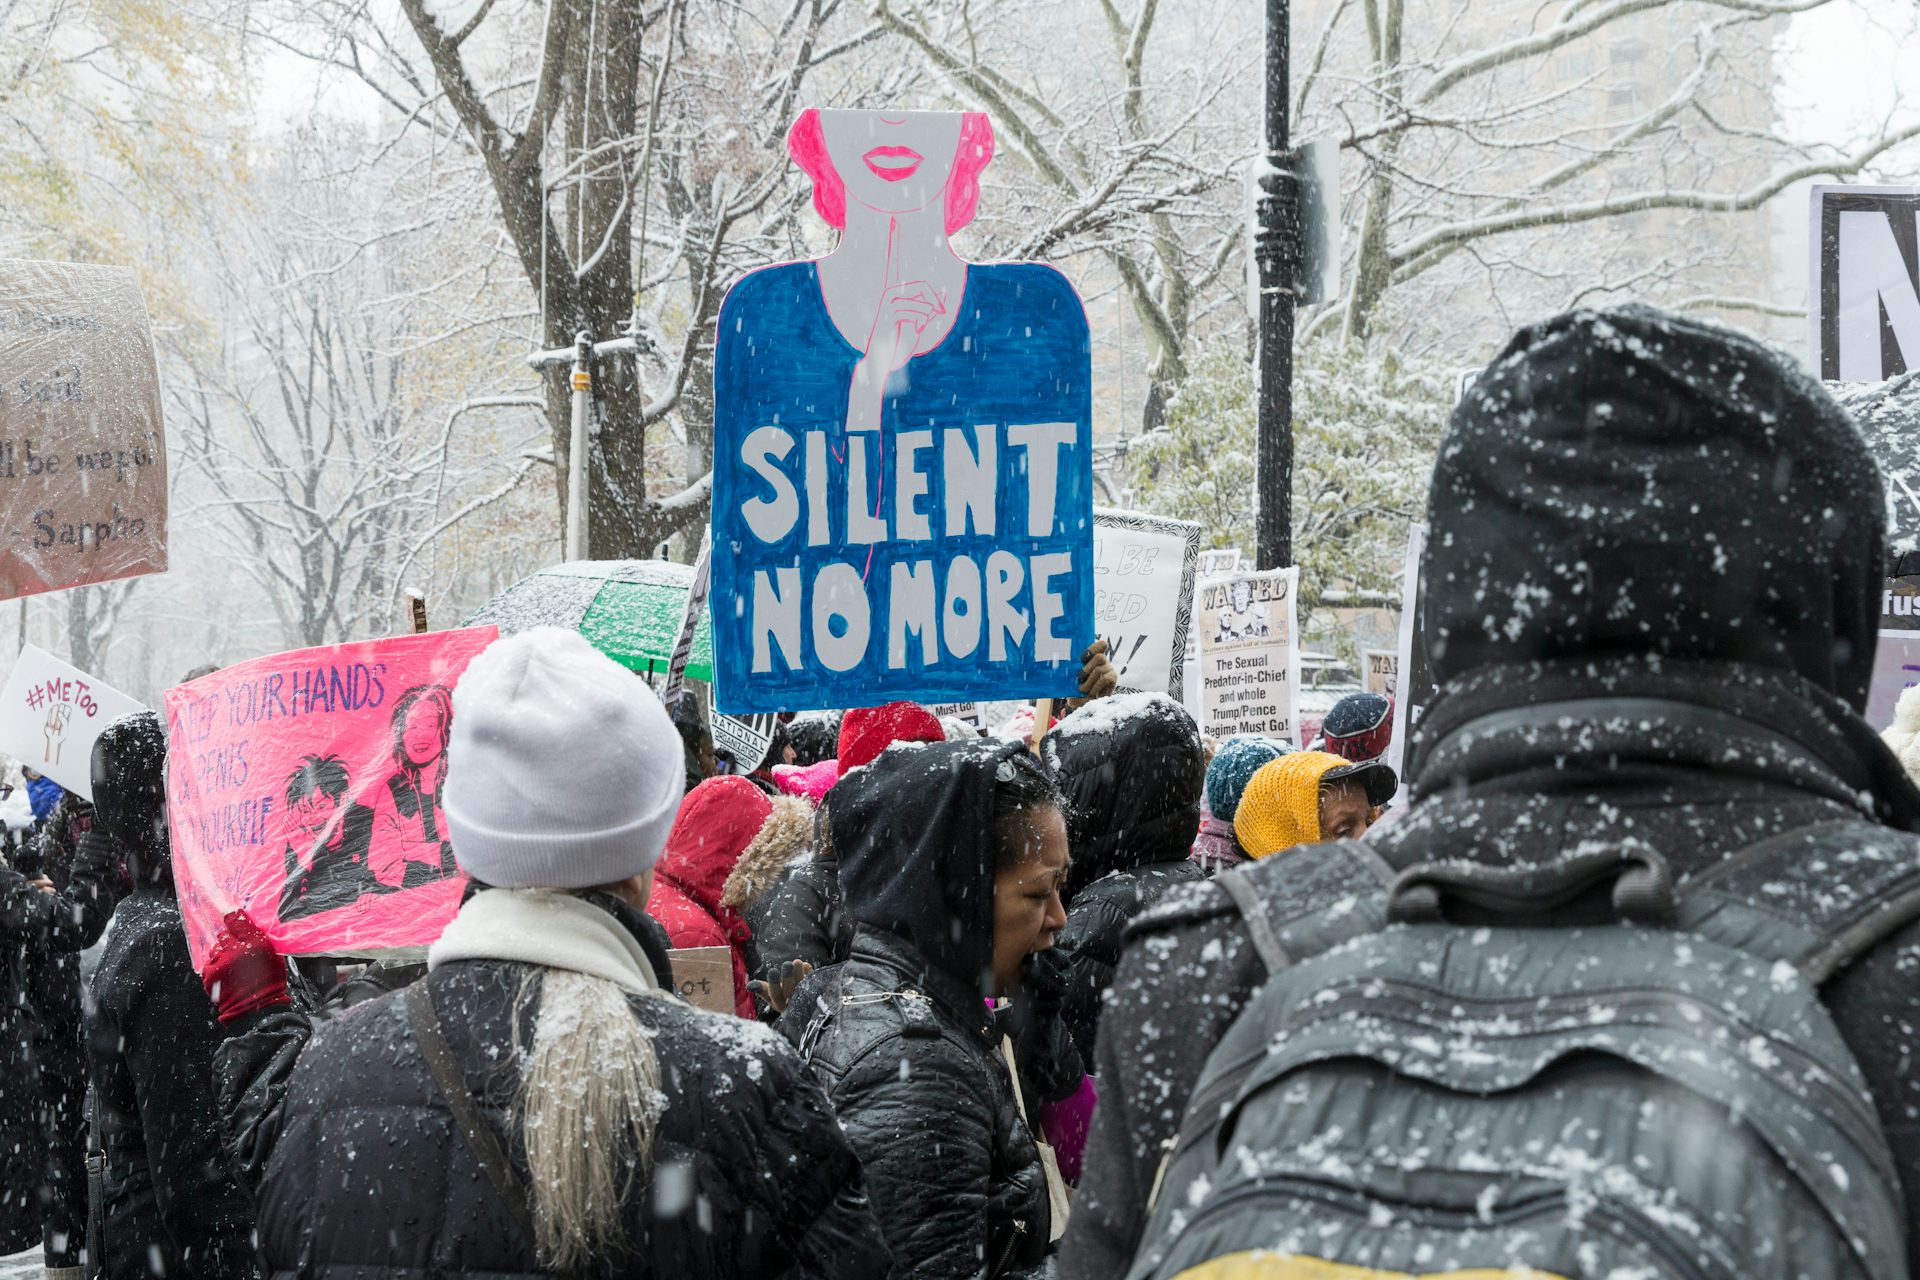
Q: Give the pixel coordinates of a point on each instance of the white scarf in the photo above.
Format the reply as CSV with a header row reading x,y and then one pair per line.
x,y
548,927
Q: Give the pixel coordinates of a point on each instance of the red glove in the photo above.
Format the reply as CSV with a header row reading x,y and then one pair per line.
x,y
244,974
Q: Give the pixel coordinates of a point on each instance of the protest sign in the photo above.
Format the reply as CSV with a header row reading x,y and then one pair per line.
x,y
1380,670
1413,677
83,457
1863,295
903,441
971,712
50,714
1896,668
304,788
741,742
1144,569
704,977
1249,661
1900,604
1215,561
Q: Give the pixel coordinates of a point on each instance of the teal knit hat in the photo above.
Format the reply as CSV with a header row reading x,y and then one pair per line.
x,y
1234,765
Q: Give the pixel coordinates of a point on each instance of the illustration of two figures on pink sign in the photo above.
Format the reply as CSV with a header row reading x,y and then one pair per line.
x,y
332,853
902,442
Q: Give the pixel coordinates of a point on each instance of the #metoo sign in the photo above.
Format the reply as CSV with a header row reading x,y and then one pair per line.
x,y
902,503
1864,295
50,714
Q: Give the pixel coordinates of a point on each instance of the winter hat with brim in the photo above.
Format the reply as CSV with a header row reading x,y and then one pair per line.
x,y
1359,727
563,769
1628,481
865,733
1281,807
1233,767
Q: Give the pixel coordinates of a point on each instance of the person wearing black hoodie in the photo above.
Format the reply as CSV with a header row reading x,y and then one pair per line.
x,y
1132,769
1651,586
951,859
172,1207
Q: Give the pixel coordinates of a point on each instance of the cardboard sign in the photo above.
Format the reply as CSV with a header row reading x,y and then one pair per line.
x,y
83,454
903,443
50,715
1414,677
1379,671
1218,560
1144,569
1900,605
1249,661
1863,295
704,977
304,788
971,712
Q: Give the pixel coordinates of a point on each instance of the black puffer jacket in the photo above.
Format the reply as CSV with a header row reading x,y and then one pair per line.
x,y
901,1035
802,917
1133,771
172,1205
751,1176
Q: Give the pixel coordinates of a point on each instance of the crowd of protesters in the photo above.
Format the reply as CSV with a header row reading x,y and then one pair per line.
x,y
979,979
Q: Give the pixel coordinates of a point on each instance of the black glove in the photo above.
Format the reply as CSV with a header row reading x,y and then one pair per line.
x,y
1044,976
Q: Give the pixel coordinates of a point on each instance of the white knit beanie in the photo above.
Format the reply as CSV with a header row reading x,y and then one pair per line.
x,y
563,770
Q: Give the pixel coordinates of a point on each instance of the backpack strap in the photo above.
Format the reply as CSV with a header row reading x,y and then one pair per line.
x,y
1817,897
1334,892
473,1126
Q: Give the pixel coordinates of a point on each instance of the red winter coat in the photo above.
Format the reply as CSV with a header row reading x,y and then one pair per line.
x,y
717,821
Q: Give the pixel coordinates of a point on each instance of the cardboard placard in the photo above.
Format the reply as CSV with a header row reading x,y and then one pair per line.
x,y
1863,292
1144,571
1215,561
304,788
1379,671
1249,657
704,977
50,715
971,712
83,452
903,444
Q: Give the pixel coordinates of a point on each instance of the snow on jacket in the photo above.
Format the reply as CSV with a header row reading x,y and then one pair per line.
x,y
173,1208
751,1176
717,821
1132,769
1786,756
900,1035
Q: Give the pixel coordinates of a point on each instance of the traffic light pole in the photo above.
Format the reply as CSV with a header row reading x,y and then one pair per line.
x,y
1276,255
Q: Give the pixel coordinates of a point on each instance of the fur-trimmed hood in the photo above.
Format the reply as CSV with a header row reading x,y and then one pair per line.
x,y
785,836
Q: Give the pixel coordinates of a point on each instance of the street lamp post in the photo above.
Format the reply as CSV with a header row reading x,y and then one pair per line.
x,y
1276,255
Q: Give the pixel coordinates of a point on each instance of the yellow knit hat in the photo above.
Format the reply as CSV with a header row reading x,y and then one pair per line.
x,y
1281,805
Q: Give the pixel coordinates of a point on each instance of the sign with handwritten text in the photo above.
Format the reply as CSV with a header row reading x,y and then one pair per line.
x,y
304,788
50,714
83,457
1143,572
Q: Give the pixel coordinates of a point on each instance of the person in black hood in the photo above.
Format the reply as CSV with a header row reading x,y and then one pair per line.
x,y
1651,582
952,856
172,1206
1132,769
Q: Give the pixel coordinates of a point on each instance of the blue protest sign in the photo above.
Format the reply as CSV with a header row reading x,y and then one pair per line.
x,y
902,499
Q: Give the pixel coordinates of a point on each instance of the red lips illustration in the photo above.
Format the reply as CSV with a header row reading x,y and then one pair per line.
x,y
893,164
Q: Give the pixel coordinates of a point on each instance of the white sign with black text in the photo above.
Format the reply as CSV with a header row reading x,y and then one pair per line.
x,y
1863,294
1249,663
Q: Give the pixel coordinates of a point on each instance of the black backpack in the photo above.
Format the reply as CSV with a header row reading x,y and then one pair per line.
x,y
1444,1075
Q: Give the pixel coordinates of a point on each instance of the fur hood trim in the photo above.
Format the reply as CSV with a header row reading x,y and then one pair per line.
x,y
786,834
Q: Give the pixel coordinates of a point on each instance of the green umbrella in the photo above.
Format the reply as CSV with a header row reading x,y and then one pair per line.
x,y
629,609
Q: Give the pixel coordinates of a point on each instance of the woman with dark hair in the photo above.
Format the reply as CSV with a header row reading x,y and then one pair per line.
x,y
952,856
327,848
410,834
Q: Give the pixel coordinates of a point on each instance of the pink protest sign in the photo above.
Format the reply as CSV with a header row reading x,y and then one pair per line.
x,y
304,788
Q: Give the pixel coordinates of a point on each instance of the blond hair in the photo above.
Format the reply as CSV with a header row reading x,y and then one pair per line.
x,y
589,1105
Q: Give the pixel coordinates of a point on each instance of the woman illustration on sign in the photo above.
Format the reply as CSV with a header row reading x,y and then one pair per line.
x,y
409,834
